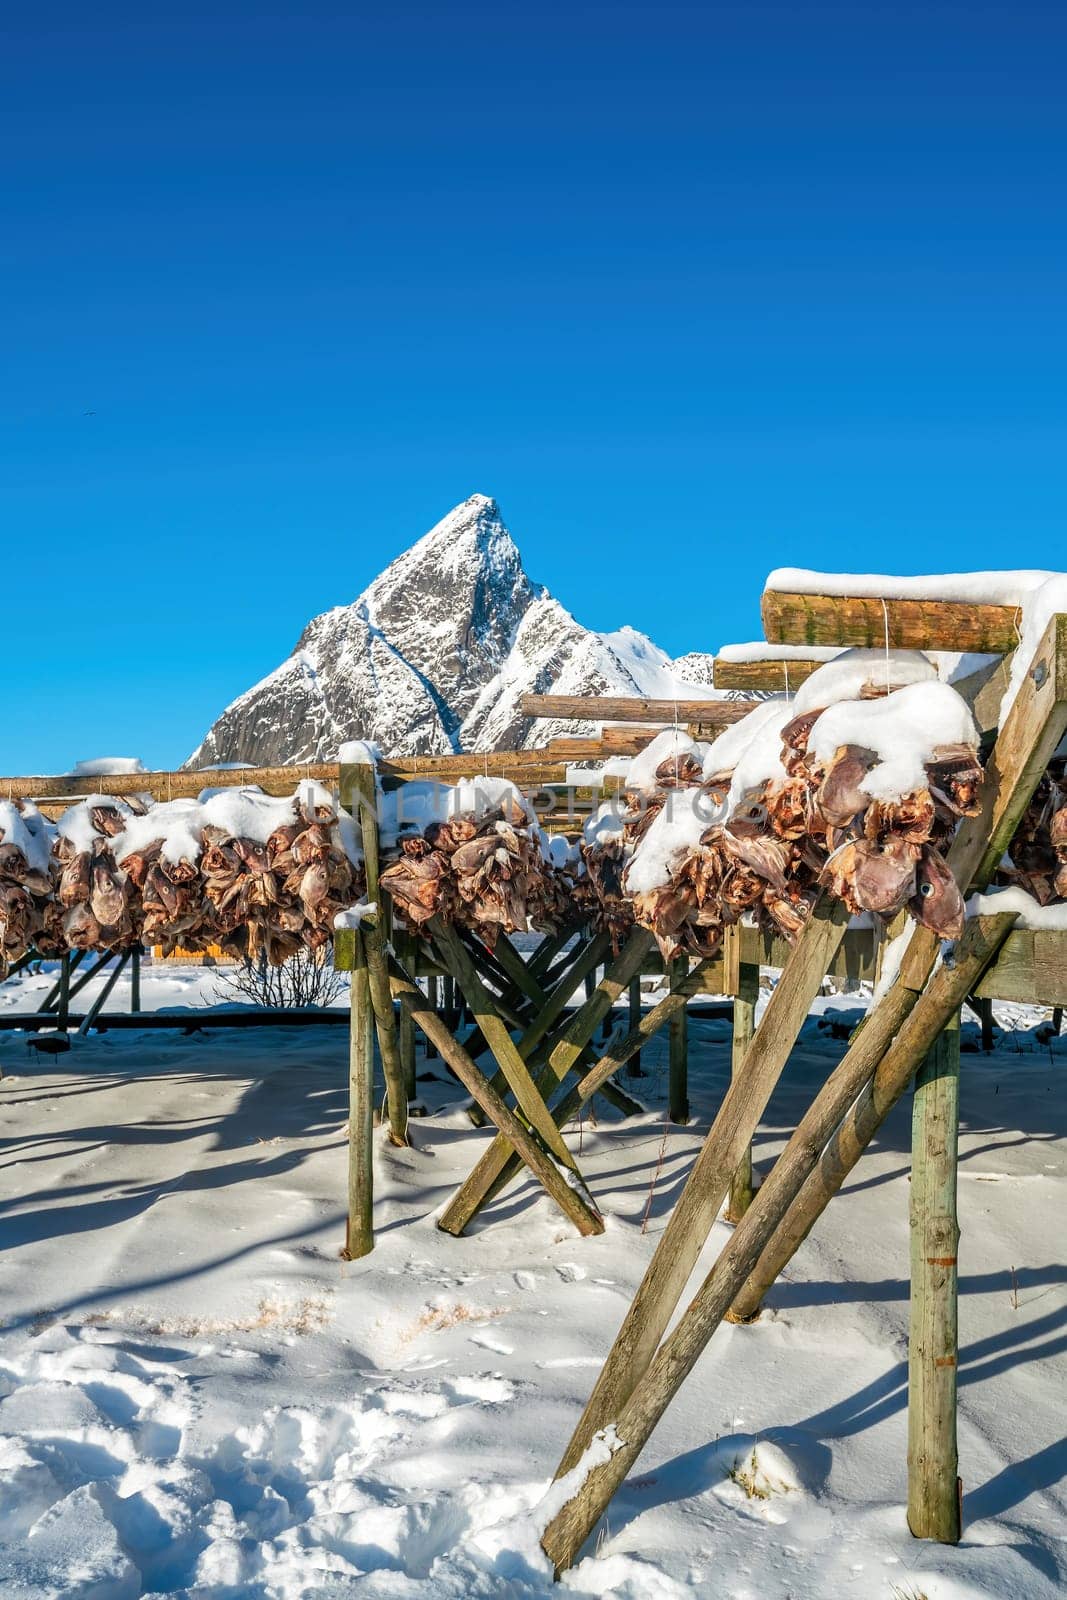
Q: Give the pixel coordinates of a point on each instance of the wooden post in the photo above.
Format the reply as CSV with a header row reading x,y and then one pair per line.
x,y
934,1497
359,792
101,999
635,1416
678,1049
406,947
63,1006
709,1180
633,1066
987,1025
135,979
740,1197
359,1237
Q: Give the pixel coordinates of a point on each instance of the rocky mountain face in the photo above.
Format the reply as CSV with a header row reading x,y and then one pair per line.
x,y
434,656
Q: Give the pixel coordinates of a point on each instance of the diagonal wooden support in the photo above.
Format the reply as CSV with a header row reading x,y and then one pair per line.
x,y
709,1181
565,1054
621,1048
587,959
571,1197
1031,732
454,956
549,948
632,1424
513,965
582,961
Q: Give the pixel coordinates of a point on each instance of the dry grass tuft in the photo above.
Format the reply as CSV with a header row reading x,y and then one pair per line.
x,y
299,1317
435,1319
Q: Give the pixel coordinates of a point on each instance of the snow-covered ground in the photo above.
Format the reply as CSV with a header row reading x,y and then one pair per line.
x,y
201,1399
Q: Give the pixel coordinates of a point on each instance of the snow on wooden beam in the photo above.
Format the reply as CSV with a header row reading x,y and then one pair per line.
x,y
619,708
186,784
863,621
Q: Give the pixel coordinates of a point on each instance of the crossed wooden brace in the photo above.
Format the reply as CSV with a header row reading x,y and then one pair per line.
x,y
536,1064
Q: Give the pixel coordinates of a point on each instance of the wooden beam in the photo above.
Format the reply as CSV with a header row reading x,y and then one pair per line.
x,y
182,785
859,621
771,674
622,708
1031,969
934,1498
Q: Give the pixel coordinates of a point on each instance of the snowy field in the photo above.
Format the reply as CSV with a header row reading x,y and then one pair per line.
x,y
200,1399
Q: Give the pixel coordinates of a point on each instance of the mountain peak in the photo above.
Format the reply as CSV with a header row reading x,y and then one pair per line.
x,y
434,656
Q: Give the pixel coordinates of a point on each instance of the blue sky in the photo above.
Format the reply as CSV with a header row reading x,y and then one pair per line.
x,y
694,291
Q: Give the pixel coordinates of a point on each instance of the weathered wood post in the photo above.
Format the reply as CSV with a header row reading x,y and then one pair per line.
x,y
135,979
406,947
359,1236
63,1007
934,1499
633,1066
678,1048
747,987
359,792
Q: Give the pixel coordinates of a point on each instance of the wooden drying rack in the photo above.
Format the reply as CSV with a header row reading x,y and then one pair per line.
x,y
546,1066
912,1031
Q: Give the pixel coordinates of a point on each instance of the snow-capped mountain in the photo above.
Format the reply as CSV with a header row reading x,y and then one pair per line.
x,y
434,656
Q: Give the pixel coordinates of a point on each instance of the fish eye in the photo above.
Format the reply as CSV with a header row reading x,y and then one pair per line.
x,y
927,890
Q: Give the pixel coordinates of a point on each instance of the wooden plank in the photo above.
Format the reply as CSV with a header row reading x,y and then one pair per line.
x,y
1031,969
855,957
622,708
770,674
934,1498
858,621
984,690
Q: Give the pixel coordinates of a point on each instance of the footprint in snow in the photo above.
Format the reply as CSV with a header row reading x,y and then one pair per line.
x,y
570,1272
